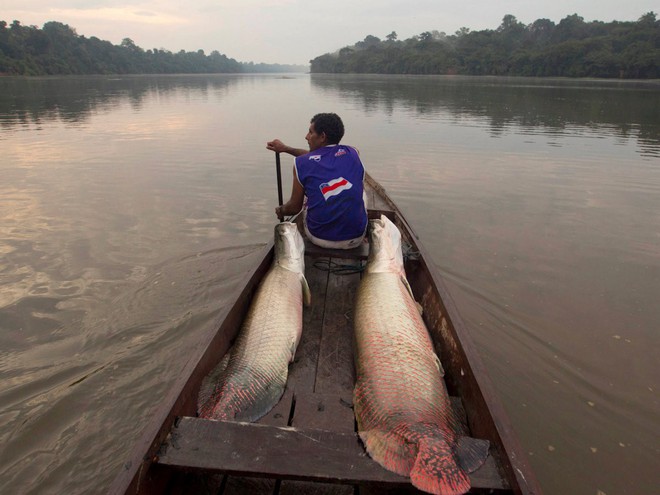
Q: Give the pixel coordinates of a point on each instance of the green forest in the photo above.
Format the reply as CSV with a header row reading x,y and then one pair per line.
x,y
571,48
57,49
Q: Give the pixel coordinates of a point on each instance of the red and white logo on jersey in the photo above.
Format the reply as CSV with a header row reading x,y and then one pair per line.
x,y
334,187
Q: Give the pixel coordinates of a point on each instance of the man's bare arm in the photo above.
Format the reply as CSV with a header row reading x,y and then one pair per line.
x,y
279,147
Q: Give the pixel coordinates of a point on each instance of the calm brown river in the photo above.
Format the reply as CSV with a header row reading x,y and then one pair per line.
x,y
131,208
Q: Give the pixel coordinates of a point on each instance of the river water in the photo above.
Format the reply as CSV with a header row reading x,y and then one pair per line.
x,y
131,208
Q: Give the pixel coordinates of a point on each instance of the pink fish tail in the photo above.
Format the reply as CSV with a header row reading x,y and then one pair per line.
x,y
389,450
436,471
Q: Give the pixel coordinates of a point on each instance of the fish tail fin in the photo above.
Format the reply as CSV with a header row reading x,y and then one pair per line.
x,y
436,471
390,450
267,399
234,402
471,453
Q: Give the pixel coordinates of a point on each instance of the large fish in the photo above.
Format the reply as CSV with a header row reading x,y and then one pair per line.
x,y
403,411
251,378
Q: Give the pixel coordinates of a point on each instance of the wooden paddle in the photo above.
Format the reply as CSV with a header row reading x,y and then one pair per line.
x,y
279,181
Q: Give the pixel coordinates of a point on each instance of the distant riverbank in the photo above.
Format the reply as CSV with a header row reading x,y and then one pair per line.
x,y
57,49
571,48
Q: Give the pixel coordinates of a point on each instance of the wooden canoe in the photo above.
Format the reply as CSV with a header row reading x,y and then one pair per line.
x,y
308,443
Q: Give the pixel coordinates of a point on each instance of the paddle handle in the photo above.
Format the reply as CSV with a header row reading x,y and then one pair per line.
x,y
278,168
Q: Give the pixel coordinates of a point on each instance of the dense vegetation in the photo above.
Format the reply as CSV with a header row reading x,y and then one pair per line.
x,y
572,48
57,49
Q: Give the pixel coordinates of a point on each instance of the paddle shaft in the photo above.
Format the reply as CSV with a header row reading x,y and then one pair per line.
x,y
278,167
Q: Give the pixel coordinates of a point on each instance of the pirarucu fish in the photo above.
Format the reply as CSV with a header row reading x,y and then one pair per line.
x,y
403,411
252,377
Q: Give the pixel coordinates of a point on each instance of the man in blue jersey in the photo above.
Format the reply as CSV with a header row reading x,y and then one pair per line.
x,y
327,185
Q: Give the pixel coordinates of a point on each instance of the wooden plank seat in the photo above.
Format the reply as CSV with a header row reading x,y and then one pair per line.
x,y
252,449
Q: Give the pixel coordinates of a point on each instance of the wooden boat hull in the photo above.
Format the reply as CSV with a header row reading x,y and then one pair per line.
x,y
310,435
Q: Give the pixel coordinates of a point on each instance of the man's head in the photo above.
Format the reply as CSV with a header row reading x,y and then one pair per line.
x,y
324,129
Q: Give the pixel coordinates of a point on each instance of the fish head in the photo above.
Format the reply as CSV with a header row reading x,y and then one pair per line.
x,y
385,253
289,247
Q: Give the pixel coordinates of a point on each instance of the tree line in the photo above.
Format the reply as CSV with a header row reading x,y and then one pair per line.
x,y
56,49
571,48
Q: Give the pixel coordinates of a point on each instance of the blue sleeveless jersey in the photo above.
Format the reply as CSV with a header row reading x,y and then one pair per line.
x,y
333,180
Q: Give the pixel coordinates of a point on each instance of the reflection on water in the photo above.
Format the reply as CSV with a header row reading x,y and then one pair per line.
x,y
622,108
31,101
627,109
121,200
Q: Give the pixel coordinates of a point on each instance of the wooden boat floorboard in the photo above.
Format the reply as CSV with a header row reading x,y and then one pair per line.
x,y
285,453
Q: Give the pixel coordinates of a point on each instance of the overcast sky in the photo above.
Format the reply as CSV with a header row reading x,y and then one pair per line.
x,y
294,31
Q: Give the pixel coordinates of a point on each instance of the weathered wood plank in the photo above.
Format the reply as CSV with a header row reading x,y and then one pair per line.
x,y
184,483
280,414
370,193
375,200
292,487
323,412
302,372
335,374
238,485
285,453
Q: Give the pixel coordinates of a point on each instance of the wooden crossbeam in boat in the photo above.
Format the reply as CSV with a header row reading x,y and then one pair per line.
x,y
252,449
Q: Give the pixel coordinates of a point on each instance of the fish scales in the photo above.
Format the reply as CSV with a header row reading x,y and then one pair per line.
x,y
402,408
259,360
252,380
397,362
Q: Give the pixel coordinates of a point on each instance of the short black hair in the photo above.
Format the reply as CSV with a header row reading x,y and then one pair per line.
x,y
331,124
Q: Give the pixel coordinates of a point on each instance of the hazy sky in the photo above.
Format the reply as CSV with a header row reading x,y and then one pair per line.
x,y
294,31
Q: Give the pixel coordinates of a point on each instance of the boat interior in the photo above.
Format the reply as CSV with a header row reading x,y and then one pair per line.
x,y
308,442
